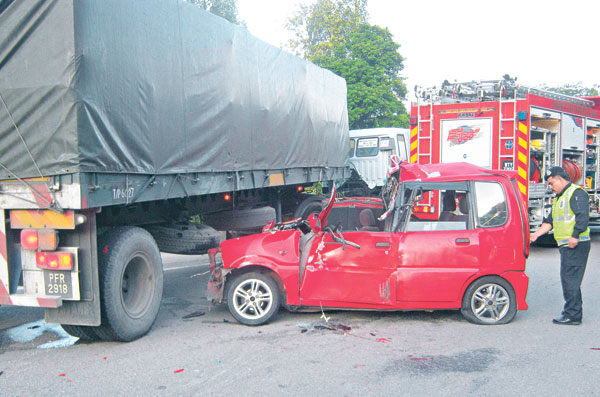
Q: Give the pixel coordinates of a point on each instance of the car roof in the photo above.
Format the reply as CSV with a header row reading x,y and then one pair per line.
x,y
448,172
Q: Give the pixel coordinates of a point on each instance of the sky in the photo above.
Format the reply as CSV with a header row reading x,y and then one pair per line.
x,y
540,42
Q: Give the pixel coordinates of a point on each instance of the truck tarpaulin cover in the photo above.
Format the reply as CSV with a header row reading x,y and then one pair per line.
x,y
156,87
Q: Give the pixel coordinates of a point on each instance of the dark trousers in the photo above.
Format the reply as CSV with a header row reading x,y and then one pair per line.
x,y
572,268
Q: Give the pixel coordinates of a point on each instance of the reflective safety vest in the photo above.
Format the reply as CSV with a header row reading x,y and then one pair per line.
x,y
563,218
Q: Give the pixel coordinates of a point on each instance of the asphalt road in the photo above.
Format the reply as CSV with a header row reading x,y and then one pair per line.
x,y
402,353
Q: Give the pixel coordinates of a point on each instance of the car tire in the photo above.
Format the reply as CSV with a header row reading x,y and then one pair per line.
x,y
131,283
241,219
310,205
83,332
185,238
489,300
242,294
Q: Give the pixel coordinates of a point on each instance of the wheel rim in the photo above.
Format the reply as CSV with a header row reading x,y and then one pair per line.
x,y
490,303
136,285
252,299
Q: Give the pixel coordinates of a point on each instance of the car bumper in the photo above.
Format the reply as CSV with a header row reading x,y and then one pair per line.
x,y
520,283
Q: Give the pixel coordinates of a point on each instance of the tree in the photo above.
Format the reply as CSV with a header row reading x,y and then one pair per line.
x,y
319,27
335,35
224,8
369,61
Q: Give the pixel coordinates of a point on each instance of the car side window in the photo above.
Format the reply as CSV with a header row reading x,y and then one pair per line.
x,y
491,204
440,209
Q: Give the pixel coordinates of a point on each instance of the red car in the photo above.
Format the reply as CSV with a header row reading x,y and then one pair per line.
x,y
469,254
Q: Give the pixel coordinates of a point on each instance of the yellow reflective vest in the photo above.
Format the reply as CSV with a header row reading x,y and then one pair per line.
x,y
563,218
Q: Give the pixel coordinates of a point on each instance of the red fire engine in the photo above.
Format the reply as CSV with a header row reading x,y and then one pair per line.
x,y
501,125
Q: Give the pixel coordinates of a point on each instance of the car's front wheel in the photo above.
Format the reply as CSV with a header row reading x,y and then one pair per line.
x,y
489,300
253,298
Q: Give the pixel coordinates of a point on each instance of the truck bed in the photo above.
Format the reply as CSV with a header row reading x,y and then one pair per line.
x,y
158,99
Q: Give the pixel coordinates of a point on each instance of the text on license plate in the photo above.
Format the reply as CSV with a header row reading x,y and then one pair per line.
x,y
58,283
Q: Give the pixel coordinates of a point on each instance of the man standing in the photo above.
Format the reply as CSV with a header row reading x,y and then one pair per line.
x,y
569,218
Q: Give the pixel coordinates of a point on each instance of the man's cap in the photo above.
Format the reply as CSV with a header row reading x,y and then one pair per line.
x,y
556,171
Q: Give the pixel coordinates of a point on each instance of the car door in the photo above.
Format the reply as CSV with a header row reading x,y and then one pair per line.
x,y
437,257
341,275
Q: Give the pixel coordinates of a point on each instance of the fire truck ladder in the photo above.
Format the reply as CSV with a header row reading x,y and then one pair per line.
x,y
421,150
507,128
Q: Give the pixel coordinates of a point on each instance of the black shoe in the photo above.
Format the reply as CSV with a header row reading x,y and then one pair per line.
x,y
566,321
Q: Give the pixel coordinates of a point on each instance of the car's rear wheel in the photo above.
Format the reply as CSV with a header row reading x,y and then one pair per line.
x,y
253,298
489,300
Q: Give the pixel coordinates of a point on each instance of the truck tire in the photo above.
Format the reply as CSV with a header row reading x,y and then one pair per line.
x,y
242,219
131,283
83,332
310,205
185,238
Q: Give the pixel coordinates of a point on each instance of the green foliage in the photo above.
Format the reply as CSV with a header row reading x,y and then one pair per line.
x,y
319,27
369,61
316,188
573,89
335,35
224,8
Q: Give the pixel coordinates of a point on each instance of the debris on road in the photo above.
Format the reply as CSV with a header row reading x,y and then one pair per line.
x,y
29,332
194,314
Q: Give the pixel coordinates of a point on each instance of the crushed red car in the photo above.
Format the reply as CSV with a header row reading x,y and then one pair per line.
x,y
455,237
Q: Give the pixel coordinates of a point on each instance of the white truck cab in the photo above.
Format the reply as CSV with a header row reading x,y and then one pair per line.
x,y
370,152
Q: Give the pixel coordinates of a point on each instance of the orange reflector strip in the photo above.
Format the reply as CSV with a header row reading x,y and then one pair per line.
x,y
41,219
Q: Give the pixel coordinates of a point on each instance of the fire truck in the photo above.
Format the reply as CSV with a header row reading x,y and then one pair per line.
x,y
499,124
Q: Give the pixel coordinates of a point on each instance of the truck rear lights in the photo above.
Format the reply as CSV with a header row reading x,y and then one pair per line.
x,y
426,209
54,260
39,239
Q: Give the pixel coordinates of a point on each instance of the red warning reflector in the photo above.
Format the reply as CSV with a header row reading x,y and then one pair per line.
x,y
29,239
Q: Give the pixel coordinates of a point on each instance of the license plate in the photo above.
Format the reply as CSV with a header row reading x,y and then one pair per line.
x,y
58,283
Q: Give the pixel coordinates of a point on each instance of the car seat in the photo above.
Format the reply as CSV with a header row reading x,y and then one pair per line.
x,y
367,221
449,206
463,206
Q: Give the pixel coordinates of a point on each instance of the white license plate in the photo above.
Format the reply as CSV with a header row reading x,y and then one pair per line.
x,y
58,283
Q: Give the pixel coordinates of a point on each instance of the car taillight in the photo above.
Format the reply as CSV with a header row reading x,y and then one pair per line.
x,y
54,260
39,239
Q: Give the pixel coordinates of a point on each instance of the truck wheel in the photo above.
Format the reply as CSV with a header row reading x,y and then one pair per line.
x,y
489,300
243,219
310,205
253,298
185,238
131,283
82,332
